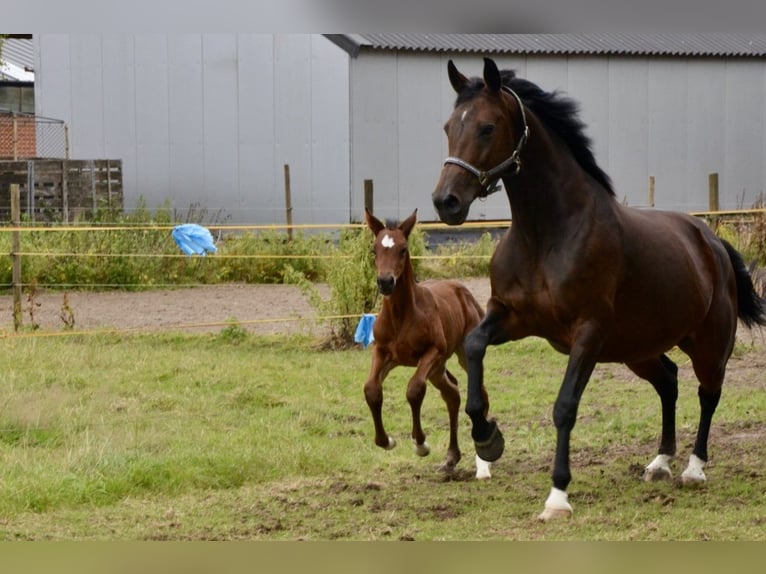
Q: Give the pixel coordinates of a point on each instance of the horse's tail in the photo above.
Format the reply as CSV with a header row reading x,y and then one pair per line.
x,y
751,307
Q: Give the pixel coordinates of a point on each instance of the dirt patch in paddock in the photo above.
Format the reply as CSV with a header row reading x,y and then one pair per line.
x,y
263,309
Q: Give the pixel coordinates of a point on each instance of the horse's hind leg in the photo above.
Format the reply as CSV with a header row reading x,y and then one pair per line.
x,y
448,387
710,373
662,373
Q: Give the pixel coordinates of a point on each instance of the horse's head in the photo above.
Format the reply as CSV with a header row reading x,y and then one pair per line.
x,y
485,134
390,249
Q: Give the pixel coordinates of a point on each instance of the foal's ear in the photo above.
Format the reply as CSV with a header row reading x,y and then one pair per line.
x,y
407,225
373,222
458,80
492,75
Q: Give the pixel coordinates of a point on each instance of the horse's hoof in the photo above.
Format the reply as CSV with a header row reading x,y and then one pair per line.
x,y
422,449
556,506
391,444
554,514
656,474
492,448
483,469
694,475
658,469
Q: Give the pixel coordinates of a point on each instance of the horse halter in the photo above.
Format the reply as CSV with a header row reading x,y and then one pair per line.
x,y
488,179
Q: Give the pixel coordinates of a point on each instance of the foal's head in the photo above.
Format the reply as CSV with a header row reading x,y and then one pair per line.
x,y
390,248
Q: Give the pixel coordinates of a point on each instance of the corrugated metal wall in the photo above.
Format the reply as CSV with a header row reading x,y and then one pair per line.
x,y
675,119
208,120
212,119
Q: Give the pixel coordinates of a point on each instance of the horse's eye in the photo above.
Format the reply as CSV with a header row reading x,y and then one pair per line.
x,y
403,252
486,130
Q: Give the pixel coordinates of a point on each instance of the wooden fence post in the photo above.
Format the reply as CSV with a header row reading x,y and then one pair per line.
x,y
15,257
712,184
368,195
713,192
651,191
288,204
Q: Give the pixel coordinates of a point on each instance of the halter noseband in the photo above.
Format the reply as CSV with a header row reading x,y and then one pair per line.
x,y
488,179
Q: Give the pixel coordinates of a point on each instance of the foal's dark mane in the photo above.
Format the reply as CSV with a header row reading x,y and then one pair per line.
x,y
558,112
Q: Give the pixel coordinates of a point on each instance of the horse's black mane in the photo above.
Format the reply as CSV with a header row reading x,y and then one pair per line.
x,y
558,112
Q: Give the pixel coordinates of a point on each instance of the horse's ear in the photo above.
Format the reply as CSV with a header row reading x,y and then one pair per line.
x,y
407,225
373,222
458,80
492,75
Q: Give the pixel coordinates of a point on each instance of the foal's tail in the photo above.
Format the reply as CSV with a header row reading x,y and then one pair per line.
x,y
751,307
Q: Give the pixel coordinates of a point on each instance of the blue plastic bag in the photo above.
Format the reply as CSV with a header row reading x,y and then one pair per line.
x,y
193,238
363,332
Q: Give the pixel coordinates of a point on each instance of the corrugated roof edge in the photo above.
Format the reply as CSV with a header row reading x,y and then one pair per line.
x,y
666,45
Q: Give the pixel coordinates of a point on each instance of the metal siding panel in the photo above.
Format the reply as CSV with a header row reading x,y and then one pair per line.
x,y
706,129
420,134
186,133
588,84
120,108
152,112
628,128
667,140
53,78
87,95
220,122
374,133
741,182
329,133
293,127
261,193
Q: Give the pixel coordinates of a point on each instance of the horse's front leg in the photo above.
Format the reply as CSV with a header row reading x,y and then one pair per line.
x,y
582,360
493,330
373,394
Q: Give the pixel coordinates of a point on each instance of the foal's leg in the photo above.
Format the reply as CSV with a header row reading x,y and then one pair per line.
x,y
416,392
662,373
443,380
373,393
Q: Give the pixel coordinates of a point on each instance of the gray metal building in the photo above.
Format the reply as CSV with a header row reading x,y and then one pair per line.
x,y
212,119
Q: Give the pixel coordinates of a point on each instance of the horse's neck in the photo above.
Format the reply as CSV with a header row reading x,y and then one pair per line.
x,y
550,191
404,297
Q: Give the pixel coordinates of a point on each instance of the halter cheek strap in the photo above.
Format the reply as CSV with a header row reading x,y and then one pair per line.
x,y
488,179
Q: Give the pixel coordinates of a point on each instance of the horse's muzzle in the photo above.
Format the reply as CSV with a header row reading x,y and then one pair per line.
x,y
386,284
450,208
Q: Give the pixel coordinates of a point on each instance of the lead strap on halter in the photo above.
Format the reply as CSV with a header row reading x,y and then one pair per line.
x,y
488,179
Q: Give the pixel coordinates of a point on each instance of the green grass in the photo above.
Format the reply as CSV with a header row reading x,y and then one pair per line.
x,y
233,436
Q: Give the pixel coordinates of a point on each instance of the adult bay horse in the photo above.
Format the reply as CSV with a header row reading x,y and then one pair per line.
x,y
600,281
419,325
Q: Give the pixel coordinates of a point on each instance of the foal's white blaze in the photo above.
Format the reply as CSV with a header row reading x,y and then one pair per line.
x,y
483,468
387,241
659,468
694,473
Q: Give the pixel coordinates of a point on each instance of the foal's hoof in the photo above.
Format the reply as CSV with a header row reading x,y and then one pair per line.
x,y
492,448
391,444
